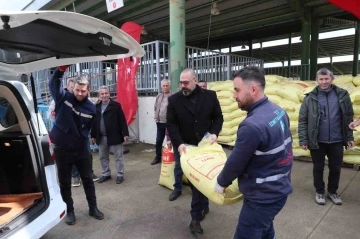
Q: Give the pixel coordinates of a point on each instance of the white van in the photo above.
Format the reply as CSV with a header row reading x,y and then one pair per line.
x,y
30,200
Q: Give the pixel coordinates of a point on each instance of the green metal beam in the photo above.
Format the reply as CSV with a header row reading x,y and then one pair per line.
x,y
305,48
63,4
177,41
356,50
315,25
245,26
297,6
331,62
289,55
271,56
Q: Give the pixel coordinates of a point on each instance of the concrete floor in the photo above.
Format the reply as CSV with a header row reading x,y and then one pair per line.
x,y
139,208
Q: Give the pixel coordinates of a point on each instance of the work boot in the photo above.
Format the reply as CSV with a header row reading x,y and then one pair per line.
x,y
335,198
76,182
70,218
119,180
174,195
320,199
155,161
195,227
104,179
94,177
204,212
95,213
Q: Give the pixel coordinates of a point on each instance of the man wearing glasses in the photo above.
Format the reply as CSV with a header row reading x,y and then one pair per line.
x,y
191,113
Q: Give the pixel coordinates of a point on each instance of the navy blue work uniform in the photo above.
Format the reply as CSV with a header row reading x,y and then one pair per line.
x,y
261,161
70,136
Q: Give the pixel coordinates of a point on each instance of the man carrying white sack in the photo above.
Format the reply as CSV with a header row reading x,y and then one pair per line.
x,y
192,113
261,159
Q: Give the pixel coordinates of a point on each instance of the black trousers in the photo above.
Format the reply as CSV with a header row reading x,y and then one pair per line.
x,y
199,202
334,152
80,157
160,136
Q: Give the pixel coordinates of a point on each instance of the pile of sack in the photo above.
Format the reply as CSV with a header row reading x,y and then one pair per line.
x,y
231,112
288,94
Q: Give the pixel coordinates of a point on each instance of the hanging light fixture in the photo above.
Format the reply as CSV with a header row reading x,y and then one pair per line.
x,y
214,9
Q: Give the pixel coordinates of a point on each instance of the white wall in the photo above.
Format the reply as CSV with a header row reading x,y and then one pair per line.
x,y
147,126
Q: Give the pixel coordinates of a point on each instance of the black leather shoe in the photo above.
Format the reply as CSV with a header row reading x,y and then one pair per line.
x,y
95,213
195,227
119,180
174,195
70,218
204,212
126,150
155,161
104,179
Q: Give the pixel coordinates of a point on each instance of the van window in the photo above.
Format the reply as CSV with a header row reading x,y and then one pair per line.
x,y
8,117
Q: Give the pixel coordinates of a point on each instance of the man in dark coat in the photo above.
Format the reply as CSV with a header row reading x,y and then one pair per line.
x,y
191,113
109,132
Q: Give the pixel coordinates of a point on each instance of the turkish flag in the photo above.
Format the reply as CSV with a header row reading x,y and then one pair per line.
x,y
127,68
352,6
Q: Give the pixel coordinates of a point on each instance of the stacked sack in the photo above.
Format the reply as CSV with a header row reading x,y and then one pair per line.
x,y
231,112
289,95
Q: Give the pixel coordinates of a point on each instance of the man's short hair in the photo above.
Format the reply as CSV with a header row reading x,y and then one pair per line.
x,y
202,81
82,80
104,87
71,80
325,71
165,80
252,73
189,70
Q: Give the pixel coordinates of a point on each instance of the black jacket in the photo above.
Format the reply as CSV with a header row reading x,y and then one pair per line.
x,y
115,124
188,125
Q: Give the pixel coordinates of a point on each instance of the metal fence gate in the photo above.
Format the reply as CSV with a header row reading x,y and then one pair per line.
x,y
153,67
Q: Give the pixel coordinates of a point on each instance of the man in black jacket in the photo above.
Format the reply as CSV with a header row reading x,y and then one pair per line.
x,y
109,132
191,113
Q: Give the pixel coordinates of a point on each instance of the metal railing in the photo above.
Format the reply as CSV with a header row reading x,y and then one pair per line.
x,y
208,65
292,72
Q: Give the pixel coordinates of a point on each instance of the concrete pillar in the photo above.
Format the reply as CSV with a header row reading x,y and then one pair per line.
x,y
314,47
289,56
305,49
356,50
177,41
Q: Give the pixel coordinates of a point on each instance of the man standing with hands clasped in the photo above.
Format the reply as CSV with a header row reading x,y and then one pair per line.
x,y
191,113
324,119
261,159
109,131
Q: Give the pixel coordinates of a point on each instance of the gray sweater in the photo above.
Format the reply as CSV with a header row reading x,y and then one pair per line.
x,y
330,117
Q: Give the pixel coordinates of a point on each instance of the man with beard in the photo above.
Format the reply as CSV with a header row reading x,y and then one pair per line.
x,y
76,182
261,159
324,119
75,114
191,113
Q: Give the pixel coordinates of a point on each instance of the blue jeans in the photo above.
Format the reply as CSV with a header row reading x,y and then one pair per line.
x,y
256,219
178,173
75,173
160,136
